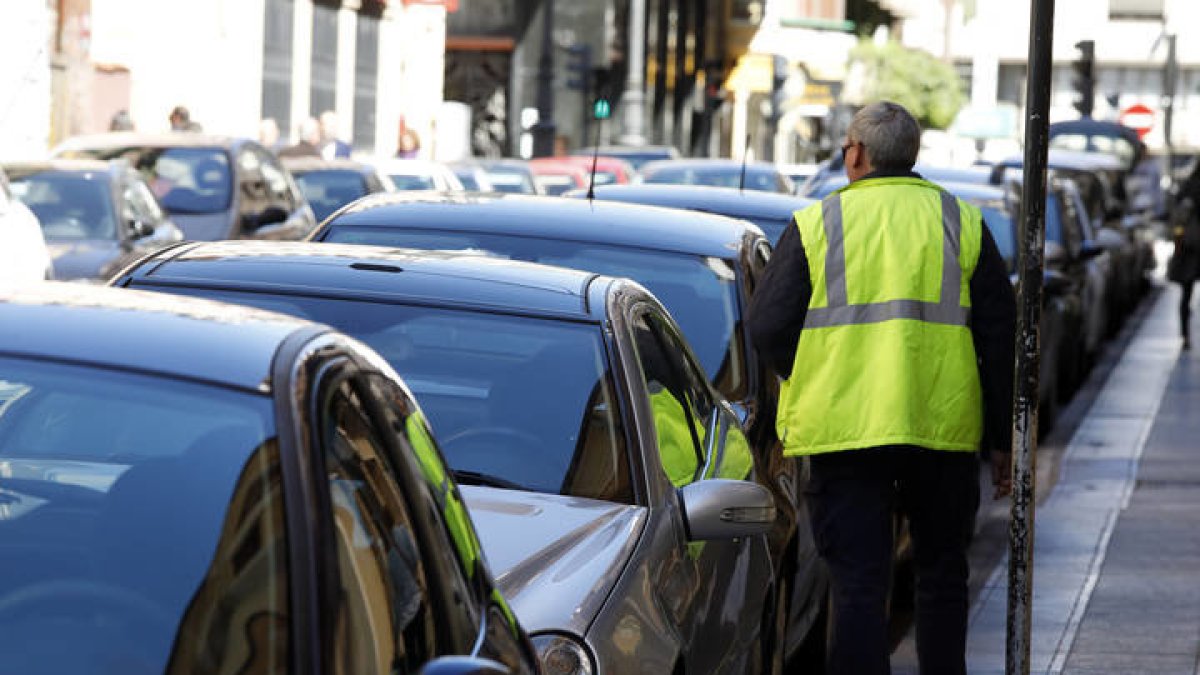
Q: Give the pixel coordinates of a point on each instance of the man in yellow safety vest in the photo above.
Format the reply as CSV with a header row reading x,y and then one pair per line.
x,y
889,311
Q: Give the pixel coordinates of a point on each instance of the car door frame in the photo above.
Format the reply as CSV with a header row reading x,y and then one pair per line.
x,y
676,580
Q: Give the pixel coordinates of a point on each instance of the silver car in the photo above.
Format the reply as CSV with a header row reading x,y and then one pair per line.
x,y
611,485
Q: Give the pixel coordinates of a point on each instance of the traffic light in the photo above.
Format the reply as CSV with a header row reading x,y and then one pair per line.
x,y
1084,81
602,81
579,68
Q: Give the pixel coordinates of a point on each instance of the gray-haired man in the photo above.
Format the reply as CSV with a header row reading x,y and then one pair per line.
x,y
889,310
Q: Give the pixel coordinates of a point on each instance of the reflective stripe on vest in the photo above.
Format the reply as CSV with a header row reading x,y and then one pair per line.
x,y
838,311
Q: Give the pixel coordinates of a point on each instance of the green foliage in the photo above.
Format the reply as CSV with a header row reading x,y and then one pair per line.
x,y
929,88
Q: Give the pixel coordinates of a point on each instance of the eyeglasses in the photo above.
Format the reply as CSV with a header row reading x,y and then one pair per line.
x,y
847,147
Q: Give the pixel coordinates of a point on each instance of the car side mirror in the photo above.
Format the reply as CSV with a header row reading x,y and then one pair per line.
x,y
1056,254
719,508
268,216
139,229
463,665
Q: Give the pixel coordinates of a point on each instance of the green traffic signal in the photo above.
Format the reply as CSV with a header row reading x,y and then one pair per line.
x,y
602,109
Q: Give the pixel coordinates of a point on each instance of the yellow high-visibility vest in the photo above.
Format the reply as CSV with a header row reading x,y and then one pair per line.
x,y
886,355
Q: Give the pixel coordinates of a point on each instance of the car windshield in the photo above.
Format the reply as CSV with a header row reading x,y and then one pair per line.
x,y
114,490
514,401
555,184
510,181
329,190
186,180
700,292
70,206
412,182
756,179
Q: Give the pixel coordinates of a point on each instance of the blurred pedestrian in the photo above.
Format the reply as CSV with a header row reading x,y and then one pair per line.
x,y
309,135
331,145
121,121
181,120
1184,266
409,145
268,134
889,310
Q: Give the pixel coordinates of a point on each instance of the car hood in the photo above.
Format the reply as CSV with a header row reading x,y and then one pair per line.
x,y
554,558
86,259
203,226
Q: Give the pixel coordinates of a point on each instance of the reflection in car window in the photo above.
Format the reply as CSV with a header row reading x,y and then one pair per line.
x,y
383,623
678,426
519,402
185,179
70,206
699,292
115,491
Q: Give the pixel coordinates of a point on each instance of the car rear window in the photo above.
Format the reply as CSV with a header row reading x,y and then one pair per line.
x,y
69,205
331,189
186,180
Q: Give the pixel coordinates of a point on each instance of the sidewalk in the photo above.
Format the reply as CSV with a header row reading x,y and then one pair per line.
x,y
1117,541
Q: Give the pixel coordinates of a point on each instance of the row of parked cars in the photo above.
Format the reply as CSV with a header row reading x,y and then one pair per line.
x,y
1100,227
464,432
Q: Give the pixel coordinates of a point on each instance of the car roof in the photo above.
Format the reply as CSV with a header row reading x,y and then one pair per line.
x,y
441,278
707,163
558,218
121,139
1092,127
25,168
150,332
723,201
973,191
1071,160
307,164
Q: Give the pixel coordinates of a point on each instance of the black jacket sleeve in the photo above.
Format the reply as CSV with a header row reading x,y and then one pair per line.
x,y
994,327
776,313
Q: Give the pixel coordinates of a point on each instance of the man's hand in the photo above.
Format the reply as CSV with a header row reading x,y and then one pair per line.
x,y
1001,473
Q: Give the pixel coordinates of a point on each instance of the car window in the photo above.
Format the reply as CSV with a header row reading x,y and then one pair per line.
x,y
412,182
516,401
700,292
185,179
1000,224
679,427
382,622
279,189
772,227
69,205
331,189
133,509
139,203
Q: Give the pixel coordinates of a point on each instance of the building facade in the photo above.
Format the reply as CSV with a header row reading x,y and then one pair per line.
x,y
232,63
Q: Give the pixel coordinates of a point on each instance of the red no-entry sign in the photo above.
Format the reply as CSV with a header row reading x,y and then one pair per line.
x,y
1139,118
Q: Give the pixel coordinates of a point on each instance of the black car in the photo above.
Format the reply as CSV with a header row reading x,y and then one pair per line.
x,y
702,267
769,211
190,487
96,217
214,187
555,392
1062,301
330,184
729,173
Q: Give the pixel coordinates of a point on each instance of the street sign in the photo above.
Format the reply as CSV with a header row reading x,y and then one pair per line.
x,y
1139,118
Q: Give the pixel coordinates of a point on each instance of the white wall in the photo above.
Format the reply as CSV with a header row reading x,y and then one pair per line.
x,y
25,102
206,56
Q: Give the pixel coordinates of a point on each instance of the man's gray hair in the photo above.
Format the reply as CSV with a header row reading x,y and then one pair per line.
x,y
890,135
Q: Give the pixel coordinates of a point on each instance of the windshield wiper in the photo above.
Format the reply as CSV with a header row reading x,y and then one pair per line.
x,y
485,479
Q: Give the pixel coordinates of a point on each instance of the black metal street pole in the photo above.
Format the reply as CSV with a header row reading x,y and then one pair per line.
x,y
1025,408
544,129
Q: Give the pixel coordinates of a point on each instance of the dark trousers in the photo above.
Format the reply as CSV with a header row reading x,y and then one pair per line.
x,y
852,498
1185,307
